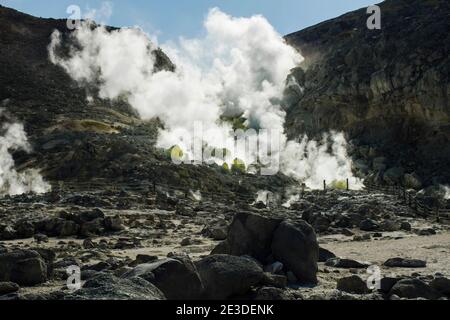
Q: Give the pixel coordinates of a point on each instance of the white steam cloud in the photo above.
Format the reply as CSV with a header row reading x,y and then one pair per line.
x,y
13,137
239,68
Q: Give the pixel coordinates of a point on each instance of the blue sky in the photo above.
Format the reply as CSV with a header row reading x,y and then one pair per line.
x,y
170,19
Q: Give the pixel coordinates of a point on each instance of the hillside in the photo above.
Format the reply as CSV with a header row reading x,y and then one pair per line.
x,y
74,139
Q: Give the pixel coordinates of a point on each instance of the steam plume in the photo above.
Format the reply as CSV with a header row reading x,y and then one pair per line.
x,y
239,68
12,138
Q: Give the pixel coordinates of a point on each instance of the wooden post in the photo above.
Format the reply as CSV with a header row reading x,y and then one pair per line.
x,y
348,184
324,185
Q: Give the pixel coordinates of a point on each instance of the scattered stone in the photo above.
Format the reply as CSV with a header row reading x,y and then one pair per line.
x,y
346,263
176,277
24,230
426,232
362,237
40,238
368,225
106,286
24,267
442,285
8,287
217,231
325,255
413,289
353,284
225,276
114,224
186,242
390,226
405,226
405,263
387,283
142,259
88,244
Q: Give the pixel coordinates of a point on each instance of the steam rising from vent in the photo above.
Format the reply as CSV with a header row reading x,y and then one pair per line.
x,y
238,69
12,138
447,192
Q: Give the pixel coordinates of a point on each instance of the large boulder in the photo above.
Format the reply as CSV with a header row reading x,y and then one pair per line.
x,y
24,267
250,234
413,289
225,276
296,247
108,287
177,277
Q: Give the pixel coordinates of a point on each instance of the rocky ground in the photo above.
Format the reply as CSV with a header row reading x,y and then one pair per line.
x,y
159,246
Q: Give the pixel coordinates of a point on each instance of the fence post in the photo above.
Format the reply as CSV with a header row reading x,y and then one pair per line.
x,y
348,184
324,185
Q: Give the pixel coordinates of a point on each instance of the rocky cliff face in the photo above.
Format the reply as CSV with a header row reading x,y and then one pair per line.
x,y
387,89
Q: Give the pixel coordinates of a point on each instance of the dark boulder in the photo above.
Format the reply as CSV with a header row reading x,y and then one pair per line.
x,y
177,277
225,276
325,255
442,285
8,288
368,225
413,289
346,263
250,234
353,284
105,286
296,247
405,263
24,267
24,229
114,224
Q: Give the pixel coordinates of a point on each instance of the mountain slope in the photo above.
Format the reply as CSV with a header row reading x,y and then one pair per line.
x,y
74,138
387,89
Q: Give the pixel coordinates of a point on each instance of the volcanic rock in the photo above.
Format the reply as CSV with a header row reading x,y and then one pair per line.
x,y
24,267
225,276
177,277
353,284
296,247
413,289
405,263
